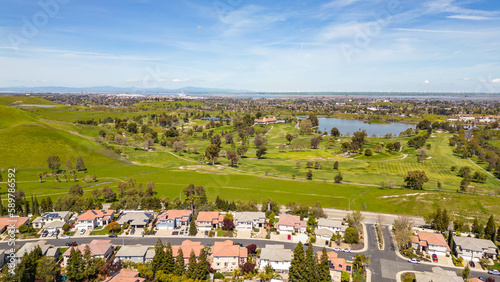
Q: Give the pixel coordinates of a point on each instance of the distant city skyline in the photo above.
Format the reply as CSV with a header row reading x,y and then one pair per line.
x,y
270,46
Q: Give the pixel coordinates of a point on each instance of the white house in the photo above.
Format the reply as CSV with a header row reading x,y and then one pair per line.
x,y
431,243
92,218
226,256
136,219
47,250
132,253
208,220
335,226
277,257
98,249
173,218
291,224
49,217
249,220
474,248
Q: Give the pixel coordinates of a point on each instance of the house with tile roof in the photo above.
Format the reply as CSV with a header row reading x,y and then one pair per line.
x,y
92,218
277,257
337,265
226,256
289,224
47,250
431,243
48,217
98,249
474,248
125,275
13,222
208,220
249,220
136,219
187,246
335,226
173,218
135,253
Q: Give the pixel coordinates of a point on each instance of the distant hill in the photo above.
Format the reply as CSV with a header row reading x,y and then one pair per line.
x,y
112,89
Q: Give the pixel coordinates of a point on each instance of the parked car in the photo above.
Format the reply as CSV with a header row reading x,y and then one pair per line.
x,y
494,272
346,250
338,249
45,233
113,236
51,234
82,231
434,258
71,244
133,231
289,237
65,237
414,261
472,264
482,278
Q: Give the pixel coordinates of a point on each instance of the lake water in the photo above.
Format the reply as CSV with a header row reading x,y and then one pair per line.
x,y
349,126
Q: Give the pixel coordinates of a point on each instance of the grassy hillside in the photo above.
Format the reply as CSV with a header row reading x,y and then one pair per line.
x,y
12,116
13,100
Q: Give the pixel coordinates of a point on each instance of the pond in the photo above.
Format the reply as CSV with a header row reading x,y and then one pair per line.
x,y
349,126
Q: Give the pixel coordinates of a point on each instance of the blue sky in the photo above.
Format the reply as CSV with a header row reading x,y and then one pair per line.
x,y
339,45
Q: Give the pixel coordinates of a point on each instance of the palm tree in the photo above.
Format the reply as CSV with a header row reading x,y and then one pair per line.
x,y
360,261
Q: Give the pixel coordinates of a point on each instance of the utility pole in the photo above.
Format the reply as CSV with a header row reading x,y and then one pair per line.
x,y
349,205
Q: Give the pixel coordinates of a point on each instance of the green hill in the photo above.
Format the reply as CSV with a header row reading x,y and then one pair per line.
x,y
29,145
11,116
13,100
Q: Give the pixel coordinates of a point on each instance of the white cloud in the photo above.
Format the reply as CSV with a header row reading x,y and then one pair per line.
x,y
339,4
426,82
180,80
432,30
470,17
495,80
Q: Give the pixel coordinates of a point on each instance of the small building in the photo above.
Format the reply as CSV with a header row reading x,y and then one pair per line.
x,y
208,220
47,250
98,249
125,275
431,243
474,248
136,219
49,217
226,256
337,265
291,224
173,218
13,222
335,226
249,220
92,218
277,257
135,253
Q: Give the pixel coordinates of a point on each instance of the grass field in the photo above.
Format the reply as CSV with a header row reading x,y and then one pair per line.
x,y
27,139
13,100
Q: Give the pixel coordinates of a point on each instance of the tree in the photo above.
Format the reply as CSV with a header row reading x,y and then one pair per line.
x,y
80,166
397,146
315,142
108,194
297,271
324,268
335,132
232,156
159,256
338,178
311,262
479,177
242,150
258,141
466,272
212,153
132,127
229,138
354,220
336,165
179,146
345,276
54,162
202,269
191,271
69,165
227,224
490,229
305,126
168,264
309,175
359,138
360,261
76,190
216,140
252,249
75,265
289,138
415,179
113,227
477,228
179,263
192,228
247,267
351,236
390,147
262,150
47,269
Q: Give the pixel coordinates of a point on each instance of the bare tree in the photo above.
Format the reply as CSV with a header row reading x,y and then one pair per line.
x,y
403,230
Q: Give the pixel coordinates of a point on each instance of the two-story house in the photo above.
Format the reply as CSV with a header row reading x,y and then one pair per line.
x,y
337,265
98,249
208,220
335,226
13,223
92,218
187,246
226,256
291,224
135,253
277,257
173,218
474,248
136,219
249,220
48,217
431,243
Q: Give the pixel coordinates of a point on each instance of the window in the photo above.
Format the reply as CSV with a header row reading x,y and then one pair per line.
x,y
348,267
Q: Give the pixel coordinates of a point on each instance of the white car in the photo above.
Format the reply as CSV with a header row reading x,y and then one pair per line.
x,y
414,261
494,272
65,237
82,231
346,250
338,249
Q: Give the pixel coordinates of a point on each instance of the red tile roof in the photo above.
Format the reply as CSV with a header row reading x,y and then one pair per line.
x,y
93,214
291,220
432,239
173,214
339,264
5,222
228,249
97,247
126,275
187,246
208,216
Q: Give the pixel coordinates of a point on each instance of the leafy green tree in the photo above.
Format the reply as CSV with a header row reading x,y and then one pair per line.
x,y
159,257
202,270
298,270
191,271
415,179
26,270
54,162
242,150
310,262
262,150
335,132
360,262
338,178
75,266
179,263
336,165
289,138
466,272
351,236
490,229
324,268
169,262
80,166
309,175
212,153
192,228
47,269
76,190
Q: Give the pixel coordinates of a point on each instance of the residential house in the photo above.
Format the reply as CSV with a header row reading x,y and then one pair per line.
x,y
337,265
438,274
291,224
188,246
135,219
335,226
208,220
431,243
135,253
150,254
47,250
325,234
173,218
474,248
54,226
277,257
98,249
125,275
249,220
265,121
49,217
13,223
92,218
226,256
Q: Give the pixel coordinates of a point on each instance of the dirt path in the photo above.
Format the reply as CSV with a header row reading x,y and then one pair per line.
x,y
489,173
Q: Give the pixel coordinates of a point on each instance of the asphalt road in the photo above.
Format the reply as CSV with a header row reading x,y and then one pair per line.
x,y
384,266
